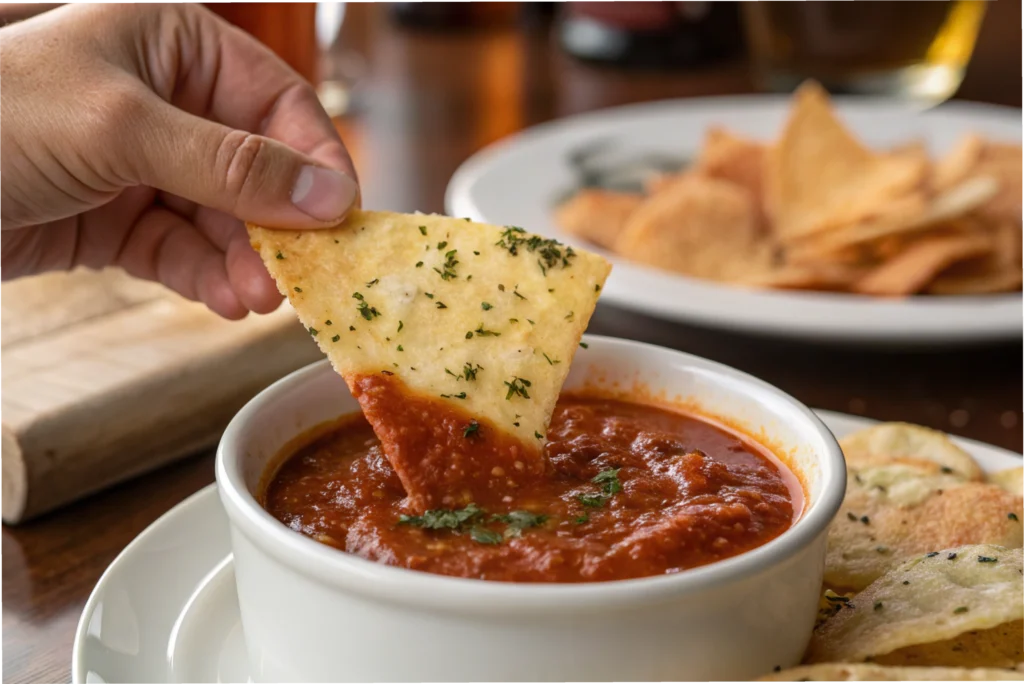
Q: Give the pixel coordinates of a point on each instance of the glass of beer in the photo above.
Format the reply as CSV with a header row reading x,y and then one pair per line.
x,y
913,50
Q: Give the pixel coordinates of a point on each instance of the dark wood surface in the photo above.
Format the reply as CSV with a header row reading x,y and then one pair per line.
x,y
424,103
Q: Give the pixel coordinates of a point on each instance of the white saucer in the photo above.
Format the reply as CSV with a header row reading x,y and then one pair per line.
x,y
166,611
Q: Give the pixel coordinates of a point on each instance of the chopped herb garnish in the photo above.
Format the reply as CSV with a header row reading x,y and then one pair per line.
x,y
469,371
373,282
297,288
485,306
313,331
1012,516
440,305
516,293
610,479
550,361
931,554
476,252
428,295
385,372
517,521
423,230
335,338
987,559
591,501
878,605
851,516
513,320
946,469
482,535
279,255
597,288
865,519
469,335
951,556
481,332
449,265
365,310
443,519
400,348
538,435
328,322
472,429
442,245
501,288
460,395
517,386
400,326
960,609
582,344
582,519
351,327
419,264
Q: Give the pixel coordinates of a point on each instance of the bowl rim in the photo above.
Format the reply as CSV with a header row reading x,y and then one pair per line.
x,y
440,592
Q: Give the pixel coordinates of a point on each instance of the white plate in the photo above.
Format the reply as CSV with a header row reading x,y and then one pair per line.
x,y
517,182
166,611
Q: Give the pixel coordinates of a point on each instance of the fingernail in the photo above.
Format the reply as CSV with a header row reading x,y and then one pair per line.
x,y
323,193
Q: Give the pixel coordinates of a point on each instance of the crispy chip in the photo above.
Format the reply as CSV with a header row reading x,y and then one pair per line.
x,y
866,672
958,163
912,269
1003,162
1011,480
929,598
738,160
909,215
697,226
927,449
798,276
465,319
597,215
1000,646
818,177
894,512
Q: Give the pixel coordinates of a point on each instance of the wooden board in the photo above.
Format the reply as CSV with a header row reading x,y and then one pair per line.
x,y
105,377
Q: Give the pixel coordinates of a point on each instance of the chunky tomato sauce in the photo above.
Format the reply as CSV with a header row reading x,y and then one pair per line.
x,y
632,491
443,456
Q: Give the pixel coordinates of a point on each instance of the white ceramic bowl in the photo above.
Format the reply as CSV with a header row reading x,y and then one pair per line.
x,y
312,613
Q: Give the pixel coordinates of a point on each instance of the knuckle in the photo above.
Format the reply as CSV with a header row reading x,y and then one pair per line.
x,y
243,159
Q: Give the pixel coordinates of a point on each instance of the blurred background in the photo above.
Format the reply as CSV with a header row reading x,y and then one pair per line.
x,y
418,87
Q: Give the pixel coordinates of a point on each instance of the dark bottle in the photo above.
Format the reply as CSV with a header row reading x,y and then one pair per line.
x,y
651,34
452,15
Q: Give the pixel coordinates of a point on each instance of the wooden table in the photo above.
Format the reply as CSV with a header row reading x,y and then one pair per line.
x,y
424,104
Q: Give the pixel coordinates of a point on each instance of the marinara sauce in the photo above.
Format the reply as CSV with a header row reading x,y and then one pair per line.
x,y
633,491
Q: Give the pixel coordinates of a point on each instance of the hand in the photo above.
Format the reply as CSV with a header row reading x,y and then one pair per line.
x,y
138,136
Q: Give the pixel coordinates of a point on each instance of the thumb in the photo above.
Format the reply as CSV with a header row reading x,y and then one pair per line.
x,y
250,176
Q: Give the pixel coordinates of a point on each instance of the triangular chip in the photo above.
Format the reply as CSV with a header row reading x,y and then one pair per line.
x,y
455,337
869,672
819,176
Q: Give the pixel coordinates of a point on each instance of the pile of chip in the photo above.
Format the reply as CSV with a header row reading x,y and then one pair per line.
x,y
818,210
923,575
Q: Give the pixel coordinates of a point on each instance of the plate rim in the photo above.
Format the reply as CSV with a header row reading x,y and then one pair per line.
x,y
207,496
939,321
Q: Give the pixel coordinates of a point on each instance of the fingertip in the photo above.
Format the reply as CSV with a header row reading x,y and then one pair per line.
x,y
216,293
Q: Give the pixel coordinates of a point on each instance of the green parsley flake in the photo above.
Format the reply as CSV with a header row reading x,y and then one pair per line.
x,y
517,387
482,535
335,338
423,230
443,519
485,306
279,255
473,429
